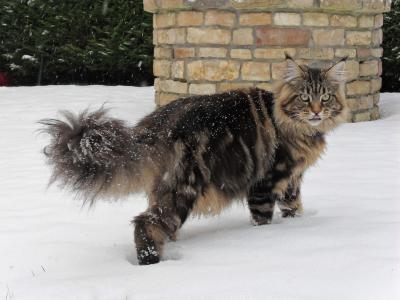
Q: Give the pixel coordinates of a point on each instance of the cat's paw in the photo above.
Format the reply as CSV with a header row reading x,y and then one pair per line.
x,y
148,256
256,221
290,213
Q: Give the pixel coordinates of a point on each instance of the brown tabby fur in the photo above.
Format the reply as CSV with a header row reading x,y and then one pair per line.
x,y
198,154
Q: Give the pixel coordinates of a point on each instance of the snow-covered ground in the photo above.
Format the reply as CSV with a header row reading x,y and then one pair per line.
x,y
346,246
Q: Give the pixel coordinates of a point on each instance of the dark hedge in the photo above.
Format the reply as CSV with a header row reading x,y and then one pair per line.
x,y
107,42
391,49
75,41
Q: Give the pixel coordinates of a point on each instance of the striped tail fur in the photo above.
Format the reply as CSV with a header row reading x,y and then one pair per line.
x,y
93,155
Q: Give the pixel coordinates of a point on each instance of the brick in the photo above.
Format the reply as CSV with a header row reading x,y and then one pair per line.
x,y
202,88
278,70
171,3
358,88
254,19
213,70
352,70
315,19
162,52
369,68
343,21
282,36
287,19
375,114
208,36
363,52
171,36
256,71
366,21
377,52
328,37
358,37
265,86
227,86
155,37
164,20
248,4
316,53
165,98
190,18
241,53
274,53
212,52
361,117
341,52
171,86
376,98
221,18
178,69
364,102
184,52
341,5
374,5
157,84
300,3
161,68
377,37
149,5
376,85
378,22
367,101
243,36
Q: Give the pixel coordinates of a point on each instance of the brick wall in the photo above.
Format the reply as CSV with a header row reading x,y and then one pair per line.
x,y
208,46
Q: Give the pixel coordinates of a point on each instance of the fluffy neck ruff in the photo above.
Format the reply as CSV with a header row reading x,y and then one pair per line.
x,y
289,127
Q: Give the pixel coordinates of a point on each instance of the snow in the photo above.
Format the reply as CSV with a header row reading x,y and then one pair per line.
x,y
346,246
29,57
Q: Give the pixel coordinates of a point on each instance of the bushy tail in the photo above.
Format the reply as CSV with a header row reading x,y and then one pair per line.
x,y
93,155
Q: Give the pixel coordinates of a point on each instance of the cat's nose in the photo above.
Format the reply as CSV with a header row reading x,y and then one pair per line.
x,y
316,108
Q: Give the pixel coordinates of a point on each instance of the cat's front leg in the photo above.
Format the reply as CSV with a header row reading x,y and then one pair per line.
x,y
290,205
261,202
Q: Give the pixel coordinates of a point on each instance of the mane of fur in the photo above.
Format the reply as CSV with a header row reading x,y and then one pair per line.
x,y
284,91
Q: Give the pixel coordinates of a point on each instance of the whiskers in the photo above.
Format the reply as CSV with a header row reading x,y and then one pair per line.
x,y
292,114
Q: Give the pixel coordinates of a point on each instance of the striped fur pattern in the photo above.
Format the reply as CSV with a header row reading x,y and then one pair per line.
x,y
198,154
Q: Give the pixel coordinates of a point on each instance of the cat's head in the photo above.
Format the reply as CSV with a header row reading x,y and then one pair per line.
x,y
311,98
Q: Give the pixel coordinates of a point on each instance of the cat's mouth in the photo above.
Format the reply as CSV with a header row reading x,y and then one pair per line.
x,y
315,120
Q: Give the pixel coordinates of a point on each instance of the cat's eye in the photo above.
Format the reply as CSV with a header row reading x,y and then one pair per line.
x,y
325,97
304,97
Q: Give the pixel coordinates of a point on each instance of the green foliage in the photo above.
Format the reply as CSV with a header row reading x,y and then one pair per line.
x,y
391,49
76,41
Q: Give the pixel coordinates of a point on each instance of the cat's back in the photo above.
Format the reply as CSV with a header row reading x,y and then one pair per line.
x,y
236,111
240,120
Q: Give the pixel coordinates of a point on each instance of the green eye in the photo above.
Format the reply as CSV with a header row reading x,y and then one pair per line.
x,y
304,97
325,97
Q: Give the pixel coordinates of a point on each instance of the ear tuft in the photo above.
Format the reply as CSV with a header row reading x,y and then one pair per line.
x,y
337,73
287,56
293,70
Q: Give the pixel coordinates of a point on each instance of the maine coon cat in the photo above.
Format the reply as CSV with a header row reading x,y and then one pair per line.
x,y
198,154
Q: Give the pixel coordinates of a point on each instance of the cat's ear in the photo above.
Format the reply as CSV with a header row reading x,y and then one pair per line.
x,y
337,74
293,70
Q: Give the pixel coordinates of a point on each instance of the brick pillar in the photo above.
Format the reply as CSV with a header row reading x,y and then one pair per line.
x,y
208,46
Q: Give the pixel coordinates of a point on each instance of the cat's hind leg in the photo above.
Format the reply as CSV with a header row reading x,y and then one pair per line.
x,y
168,211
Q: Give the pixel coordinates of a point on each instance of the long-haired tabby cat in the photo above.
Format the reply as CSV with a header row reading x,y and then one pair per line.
x,y
197,154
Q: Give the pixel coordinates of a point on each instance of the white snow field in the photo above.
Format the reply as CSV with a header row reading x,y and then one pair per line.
x,y
345,246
